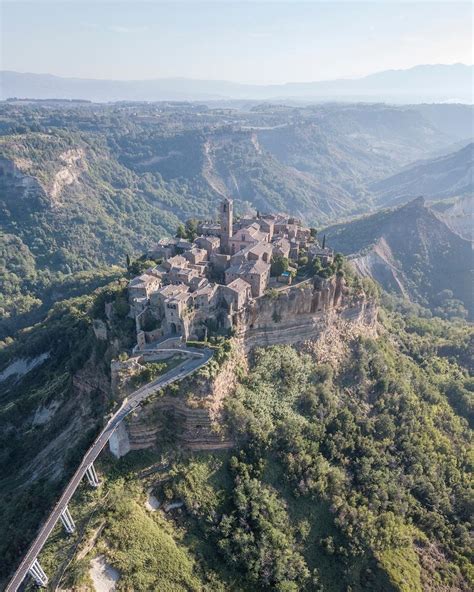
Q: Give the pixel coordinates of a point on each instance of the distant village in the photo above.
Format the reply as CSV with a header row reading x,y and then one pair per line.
x,y
202,283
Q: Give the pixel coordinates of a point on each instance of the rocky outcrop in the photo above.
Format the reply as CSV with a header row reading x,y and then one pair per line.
x,y
380,264
194,428
458,215
72,165
119,443
302,312
19,172
70,416
193,416
311,313
22,185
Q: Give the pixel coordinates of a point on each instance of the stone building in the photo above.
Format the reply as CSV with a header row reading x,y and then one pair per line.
x,y
255,273
282,247
196,255
211,244
143,285
220,273
237,294
245,237
164,249
227,215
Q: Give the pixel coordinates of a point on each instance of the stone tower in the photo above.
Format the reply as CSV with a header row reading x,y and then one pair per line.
x,y
227,213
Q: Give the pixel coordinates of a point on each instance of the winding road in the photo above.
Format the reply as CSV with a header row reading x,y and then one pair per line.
x,y
197,359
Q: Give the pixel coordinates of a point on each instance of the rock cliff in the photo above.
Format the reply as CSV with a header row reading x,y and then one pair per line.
x,y
410,251
190,414
318,316
302,312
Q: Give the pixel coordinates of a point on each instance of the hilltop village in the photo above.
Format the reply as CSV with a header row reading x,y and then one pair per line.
x,y
205,283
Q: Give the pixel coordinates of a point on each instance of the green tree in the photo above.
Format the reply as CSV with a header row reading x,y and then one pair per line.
x,y
279,265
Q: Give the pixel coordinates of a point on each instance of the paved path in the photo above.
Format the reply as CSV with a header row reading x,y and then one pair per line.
x,y
199,358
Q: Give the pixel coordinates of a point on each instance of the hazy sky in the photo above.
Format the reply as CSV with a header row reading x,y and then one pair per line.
x,y
246,41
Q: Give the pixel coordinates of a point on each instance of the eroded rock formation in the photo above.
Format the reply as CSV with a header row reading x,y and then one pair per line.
x,y
318,315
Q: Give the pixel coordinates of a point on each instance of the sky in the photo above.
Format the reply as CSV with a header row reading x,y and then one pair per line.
x,y
247,41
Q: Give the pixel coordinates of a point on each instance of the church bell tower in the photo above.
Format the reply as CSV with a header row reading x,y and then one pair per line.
x,y
227,213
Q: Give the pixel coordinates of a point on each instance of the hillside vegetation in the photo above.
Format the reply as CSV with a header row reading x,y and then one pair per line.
x,y
345,476
54,394
411,252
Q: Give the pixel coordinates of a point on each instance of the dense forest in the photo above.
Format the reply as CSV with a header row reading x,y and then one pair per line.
x,y
350,476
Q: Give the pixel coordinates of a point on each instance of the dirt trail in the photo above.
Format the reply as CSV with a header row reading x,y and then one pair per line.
x,y
103,575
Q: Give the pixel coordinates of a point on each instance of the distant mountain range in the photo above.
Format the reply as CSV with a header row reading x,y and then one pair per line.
x,y
424,83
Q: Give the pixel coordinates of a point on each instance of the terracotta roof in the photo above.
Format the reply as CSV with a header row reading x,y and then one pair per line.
x,y
198,282
196,251
164,242
172,289
181,297
239,285
209,289
260,248
253,232
177,261
143,280
210,239
249,267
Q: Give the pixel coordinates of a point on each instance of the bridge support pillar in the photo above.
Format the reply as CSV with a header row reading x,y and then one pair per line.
x,y
92,476
119,442
67,521
37,573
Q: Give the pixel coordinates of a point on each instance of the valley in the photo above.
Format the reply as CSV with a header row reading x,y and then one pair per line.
x,y
325,445
84,185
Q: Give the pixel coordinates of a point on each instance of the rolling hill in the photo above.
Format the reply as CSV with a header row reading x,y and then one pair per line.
x,y
411,252
446,176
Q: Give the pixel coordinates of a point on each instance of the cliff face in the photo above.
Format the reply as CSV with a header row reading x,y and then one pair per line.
x,y
457,214
410,251
319,318
302,312
192,417
21,172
